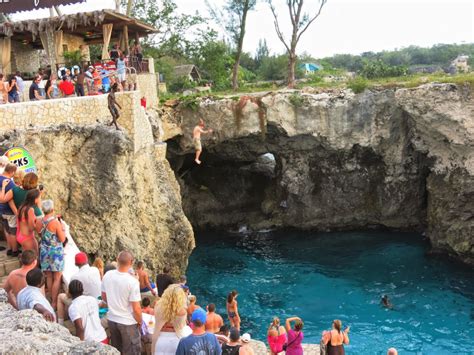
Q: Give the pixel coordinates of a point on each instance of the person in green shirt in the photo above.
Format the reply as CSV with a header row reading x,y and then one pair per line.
x,y
18,192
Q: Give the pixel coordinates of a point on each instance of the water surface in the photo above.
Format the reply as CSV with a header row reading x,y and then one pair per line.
x,y
324,276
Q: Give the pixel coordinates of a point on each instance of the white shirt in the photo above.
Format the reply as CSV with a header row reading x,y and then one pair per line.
x,y
90,278
30,296
87,309
121,288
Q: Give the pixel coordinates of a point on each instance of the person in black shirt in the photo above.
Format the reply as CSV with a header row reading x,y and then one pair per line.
x,y
35,90
163,281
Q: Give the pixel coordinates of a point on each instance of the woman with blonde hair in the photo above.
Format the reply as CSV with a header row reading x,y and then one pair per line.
x,y
276,336
170,321
335,338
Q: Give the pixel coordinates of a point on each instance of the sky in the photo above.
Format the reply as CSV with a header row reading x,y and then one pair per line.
x,y
345,26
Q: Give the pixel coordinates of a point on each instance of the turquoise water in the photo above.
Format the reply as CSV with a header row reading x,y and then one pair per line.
x,y
324,276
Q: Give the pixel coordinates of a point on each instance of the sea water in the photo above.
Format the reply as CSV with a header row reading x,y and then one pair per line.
x,y
325,276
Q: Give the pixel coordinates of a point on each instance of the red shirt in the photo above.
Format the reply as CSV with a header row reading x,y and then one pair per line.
x,y
66,87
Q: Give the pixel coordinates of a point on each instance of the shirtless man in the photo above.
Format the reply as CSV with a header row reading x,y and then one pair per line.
x,y
145,284
16,281
213,321
198,130
112,104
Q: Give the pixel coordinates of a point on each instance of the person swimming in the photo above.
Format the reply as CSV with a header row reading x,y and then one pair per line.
x,y
386,302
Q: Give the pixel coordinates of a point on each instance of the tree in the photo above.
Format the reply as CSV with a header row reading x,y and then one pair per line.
x,y
300,22
262,52
235,21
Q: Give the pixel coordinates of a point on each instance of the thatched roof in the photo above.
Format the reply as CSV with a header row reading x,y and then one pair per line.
x,y
187,70
8,7
84,24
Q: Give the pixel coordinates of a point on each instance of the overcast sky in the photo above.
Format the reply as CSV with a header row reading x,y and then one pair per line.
x,y
345,26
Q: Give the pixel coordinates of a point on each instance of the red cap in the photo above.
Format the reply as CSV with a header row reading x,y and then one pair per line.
x,y
81,258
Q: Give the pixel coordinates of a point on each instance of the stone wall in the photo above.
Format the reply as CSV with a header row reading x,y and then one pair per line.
x,y
82,111
24,58
147,85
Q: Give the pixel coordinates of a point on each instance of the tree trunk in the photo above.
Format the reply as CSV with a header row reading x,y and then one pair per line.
x,y
291,69
235,70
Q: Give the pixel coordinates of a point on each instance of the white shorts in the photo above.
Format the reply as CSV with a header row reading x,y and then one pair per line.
x,y
122,77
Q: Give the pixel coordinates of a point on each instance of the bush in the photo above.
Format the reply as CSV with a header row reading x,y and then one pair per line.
x,y
296,100
181,83
378,69
358,84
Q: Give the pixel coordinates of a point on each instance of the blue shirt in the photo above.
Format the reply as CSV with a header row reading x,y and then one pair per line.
x,y
30,296
205,344
121,66
4,207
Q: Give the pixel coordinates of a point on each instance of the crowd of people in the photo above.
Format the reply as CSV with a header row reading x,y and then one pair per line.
x,y
118,303
74,81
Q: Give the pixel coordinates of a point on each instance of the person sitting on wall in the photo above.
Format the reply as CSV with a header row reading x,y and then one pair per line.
x,y
66,87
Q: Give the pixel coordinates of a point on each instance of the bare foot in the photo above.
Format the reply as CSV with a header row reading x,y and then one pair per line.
x,y
197,161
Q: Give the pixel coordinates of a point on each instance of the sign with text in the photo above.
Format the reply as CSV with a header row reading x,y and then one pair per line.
x,y
22,159
10,6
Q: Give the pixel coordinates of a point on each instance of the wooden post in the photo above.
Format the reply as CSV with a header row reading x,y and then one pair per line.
x,y
129,7
125,38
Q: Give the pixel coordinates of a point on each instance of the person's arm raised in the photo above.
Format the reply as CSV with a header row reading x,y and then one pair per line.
x,y
288,322
346,335
59,231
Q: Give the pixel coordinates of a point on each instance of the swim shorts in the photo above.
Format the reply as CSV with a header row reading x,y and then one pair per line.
x,y
197,143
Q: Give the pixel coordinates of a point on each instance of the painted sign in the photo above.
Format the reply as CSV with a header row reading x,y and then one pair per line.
x,y
22,159
9,6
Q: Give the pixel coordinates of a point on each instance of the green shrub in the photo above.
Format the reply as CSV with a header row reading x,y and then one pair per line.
x,y
358,84
296,99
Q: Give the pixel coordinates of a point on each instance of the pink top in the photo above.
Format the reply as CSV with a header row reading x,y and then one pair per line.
x,y
294,343
276,343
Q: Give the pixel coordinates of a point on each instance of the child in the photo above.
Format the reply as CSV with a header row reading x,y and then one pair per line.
x,y
146,306
112,102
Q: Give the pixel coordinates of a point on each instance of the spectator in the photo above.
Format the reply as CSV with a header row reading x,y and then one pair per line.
x,y
26,221
16,280
182,280
392,351
99,264
170,321
52,90
115,53
121,70
276,336
31,297
19,191
8,209
223,335
51,249
233,347
21,84
66,86
145,284
3,163
214,322
84,313
232,309
295,336
336,338
79,80
192,306
137,54
18,178
245,340
13,91
90,283
121,292
163,280
90,80
109,267
3,90
199,342
146,306
34,91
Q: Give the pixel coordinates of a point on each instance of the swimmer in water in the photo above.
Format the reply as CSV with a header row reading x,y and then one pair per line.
x,y
386,302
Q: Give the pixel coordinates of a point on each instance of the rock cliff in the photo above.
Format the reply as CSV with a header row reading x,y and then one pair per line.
x,y
400,158
26,332
112,197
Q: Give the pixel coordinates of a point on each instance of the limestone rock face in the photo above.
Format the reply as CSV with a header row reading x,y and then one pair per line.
x,y
27,332
401,159
113,198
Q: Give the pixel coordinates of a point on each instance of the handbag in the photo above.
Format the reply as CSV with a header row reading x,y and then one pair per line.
x,y
286,345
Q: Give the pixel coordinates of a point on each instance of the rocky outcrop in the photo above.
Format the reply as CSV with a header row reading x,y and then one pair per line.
x,y
112,197
27,332
400,159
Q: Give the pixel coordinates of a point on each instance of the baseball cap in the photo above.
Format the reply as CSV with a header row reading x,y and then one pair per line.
x,y
200,315
246,338
81,258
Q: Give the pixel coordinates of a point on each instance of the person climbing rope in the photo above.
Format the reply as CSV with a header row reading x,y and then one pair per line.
x,y
112,103
198,130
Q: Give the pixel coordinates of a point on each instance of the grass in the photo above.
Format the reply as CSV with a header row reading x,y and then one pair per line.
x,y
357,85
